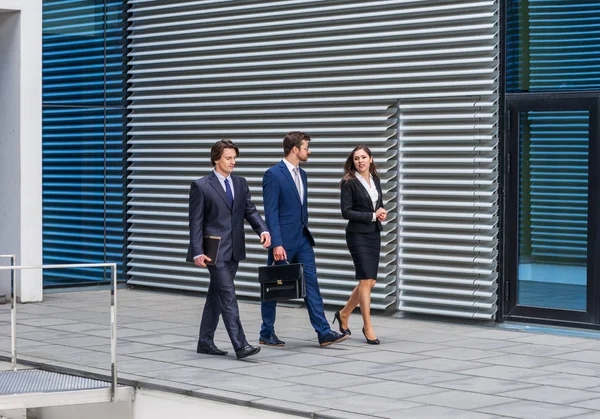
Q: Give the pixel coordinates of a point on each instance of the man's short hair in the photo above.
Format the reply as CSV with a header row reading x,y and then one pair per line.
x,y
293,139
217,150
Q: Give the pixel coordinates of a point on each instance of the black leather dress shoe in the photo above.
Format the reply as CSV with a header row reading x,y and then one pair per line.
x,y
331,338
210,349
272,340
247,351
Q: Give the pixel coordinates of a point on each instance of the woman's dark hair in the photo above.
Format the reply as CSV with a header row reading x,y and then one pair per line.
x,y
293,139
217,150
350,170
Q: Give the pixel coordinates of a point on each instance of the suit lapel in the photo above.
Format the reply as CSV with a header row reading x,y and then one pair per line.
x,y
214,182
288,176
239,197
365,192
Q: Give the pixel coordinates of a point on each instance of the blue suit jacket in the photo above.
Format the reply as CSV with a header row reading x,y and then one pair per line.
x,y
285,215
210,213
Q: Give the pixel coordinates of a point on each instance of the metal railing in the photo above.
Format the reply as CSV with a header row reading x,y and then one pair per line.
x,y
113,310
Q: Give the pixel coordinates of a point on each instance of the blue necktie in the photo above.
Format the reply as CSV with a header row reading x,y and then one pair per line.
x,y
228,193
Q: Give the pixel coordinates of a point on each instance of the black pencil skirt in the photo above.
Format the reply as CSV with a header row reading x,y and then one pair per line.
x,y
365,249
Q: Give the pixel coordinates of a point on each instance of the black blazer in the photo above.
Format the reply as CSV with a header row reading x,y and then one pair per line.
x,y
357,206
210,213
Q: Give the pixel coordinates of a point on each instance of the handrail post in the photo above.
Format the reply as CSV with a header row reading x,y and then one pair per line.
x,y
13,314
113,334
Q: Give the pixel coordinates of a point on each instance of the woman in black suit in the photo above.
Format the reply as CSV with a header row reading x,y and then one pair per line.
x,y
362,206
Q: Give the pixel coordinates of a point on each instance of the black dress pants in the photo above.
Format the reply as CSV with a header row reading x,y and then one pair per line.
x,y
221,300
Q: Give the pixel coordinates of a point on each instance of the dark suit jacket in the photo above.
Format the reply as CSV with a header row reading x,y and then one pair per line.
x,y
357,206
210,213
286,217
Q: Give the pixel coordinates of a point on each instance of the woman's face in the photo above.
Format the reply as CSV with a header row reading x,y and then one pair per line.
x,y
362,161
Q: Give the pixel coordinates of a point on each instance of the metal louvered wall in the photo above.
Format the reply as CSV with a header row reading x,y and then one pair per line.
x,y
414,80
84,129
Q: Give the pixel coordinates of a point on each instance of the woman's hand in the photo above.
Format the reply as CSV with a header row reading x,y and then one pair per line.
x,y
381,214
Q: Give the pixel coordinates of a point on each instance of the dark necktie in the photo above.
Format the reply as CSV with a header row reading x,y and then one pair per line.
x,y
228,193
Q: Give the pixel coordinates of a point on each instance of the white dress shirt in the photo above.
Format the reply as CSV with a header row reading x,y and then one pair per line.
x,y
371,189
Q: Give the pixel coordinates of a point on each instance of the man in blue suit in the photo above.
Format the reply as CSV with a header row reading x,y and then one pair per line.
x,y
286,214
219,203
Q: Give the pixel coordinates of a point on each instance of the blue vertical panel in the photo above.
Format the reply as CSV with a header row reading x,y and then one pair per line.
x,y
84,133
553,45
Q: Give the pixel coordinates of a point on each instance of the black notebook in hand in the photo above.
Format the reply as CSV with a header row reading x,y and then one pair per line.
x,y
211,246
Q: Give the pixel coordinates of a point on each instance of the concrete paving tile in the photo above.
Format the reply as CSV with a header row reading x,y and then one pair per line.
x,y
529,410
484,385
595,389
414,347
588,404
360,367
591,415
537,350
167,355
45,351
49,335
550,394
506,373
385,357
178,373
246,385
302,409
523,361
419,376
397,390
139,366
275,371
219,362
307,360
481,343
80,341
437,412
333,380
584,356
158,339
591,344
365,404
464,354
341,414
549,339
574,367
441,364
566,380
223,395
154,325
300,393
494,333
460,399
45,321
79,327
426,337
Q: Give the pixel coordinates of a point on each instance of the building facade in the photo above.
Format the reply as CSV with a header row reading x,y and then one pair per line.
x,y
481,114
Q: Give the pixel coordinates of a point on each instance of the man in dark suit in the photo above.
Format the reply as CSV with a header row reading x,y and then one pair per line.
x,y
219,203
284,193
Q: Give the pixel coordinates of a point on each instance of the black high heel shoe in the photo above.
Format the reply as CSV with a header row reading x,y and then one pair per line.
x,y
370,341
337,317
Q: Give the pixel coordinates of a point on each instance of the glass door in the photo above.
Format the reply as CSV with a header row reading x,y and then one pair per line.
x,y
551,183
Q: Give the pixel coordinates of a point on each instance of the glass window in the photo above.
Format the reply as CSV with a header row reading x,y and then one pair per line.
x,y
553,45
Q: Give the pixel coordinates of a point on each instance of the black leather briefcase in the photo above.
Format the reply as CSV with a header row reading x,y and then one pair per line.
x,y
281,282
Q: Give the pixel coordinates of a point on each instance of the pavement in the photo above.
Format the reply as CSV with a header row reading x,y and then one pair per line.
x,y
422,369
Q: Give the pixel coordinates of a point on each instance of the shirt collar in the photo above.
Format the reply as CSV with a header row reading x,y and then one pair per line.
x,y
289,165
221,177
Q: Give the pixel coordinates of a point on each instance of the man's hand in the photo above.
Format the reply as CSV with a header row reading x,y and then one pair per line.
x,y
265,239
381,214
279,253
201,261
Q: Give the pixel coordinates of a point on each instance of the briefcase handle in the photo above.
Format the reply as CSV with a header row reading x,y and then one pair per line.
x,y
273,264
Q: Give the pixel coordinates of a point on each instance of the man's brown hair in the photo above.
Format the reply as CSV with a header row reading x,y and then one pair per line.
x,y
217,150
293,139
